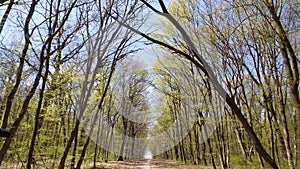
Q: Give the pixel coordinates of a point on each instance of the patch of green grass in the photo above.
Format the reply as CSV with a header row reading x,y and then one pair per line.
x,y
239,162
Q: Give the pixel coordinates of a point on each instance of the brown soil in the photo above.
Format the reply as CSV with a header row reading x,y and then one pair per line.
x,y
145,164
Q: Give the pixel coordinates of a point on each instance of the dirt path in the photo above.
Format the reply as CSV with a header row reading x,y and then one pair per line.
x,y
142,164
136,164
146,165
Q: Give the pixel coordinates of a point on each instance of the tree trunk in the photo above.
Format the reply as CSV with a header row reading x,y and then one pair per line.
x,y
37,116
242,144
74,151
5,15
95,117
122,147
14,90
68,146
17,122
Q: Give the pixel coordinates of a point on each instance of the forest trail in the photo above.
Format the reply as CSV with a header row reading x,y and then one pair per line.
x,y
143,164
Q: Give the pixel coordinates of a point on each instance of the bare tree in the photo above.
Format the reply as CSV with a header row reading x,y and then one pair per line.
x,y
198,60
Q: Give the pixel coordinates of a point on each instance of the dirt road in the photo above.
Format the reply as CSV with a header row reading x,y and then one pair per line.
x,y
142,164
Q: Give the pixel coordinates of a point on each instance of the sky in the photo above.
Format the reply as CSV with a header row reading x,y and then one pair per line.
x,y
150,53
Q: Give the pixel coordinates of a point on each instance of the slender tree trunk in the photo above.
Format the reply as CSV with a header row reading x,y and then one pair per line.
x,y
241,143
56,135
262,165
122,147
295,141
5,15
37,116
212,160
272,139
286,133
190,146
109,142
74,151
14,90
95,117
69,144
181,143
133,134
197,146
96,145
17,122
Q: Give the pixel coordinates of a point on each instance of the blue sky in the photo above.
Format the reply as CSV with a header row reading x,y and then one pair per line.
x,y
149,54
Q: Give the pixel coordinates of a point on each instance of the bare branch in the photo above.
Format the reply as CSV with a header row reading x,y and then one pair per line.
x,y
163,6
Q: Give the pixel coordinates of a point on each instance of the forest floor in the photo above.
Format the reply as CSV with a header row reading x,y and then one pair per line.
x,y
147,164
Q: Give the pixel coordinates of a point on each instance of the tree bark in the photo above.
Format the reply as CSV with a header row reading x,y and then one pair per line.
x,y
37,117
17,122
5,16
14,90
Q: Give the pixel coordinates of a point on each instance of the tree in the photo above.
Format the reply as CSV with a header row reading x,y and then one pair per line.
x,y
43,53
107,45
197,59
61,44
131,86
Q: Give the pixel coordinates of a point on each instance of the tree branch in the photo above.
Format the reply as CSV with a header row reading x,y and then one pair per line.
x,y
175,50
163,6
